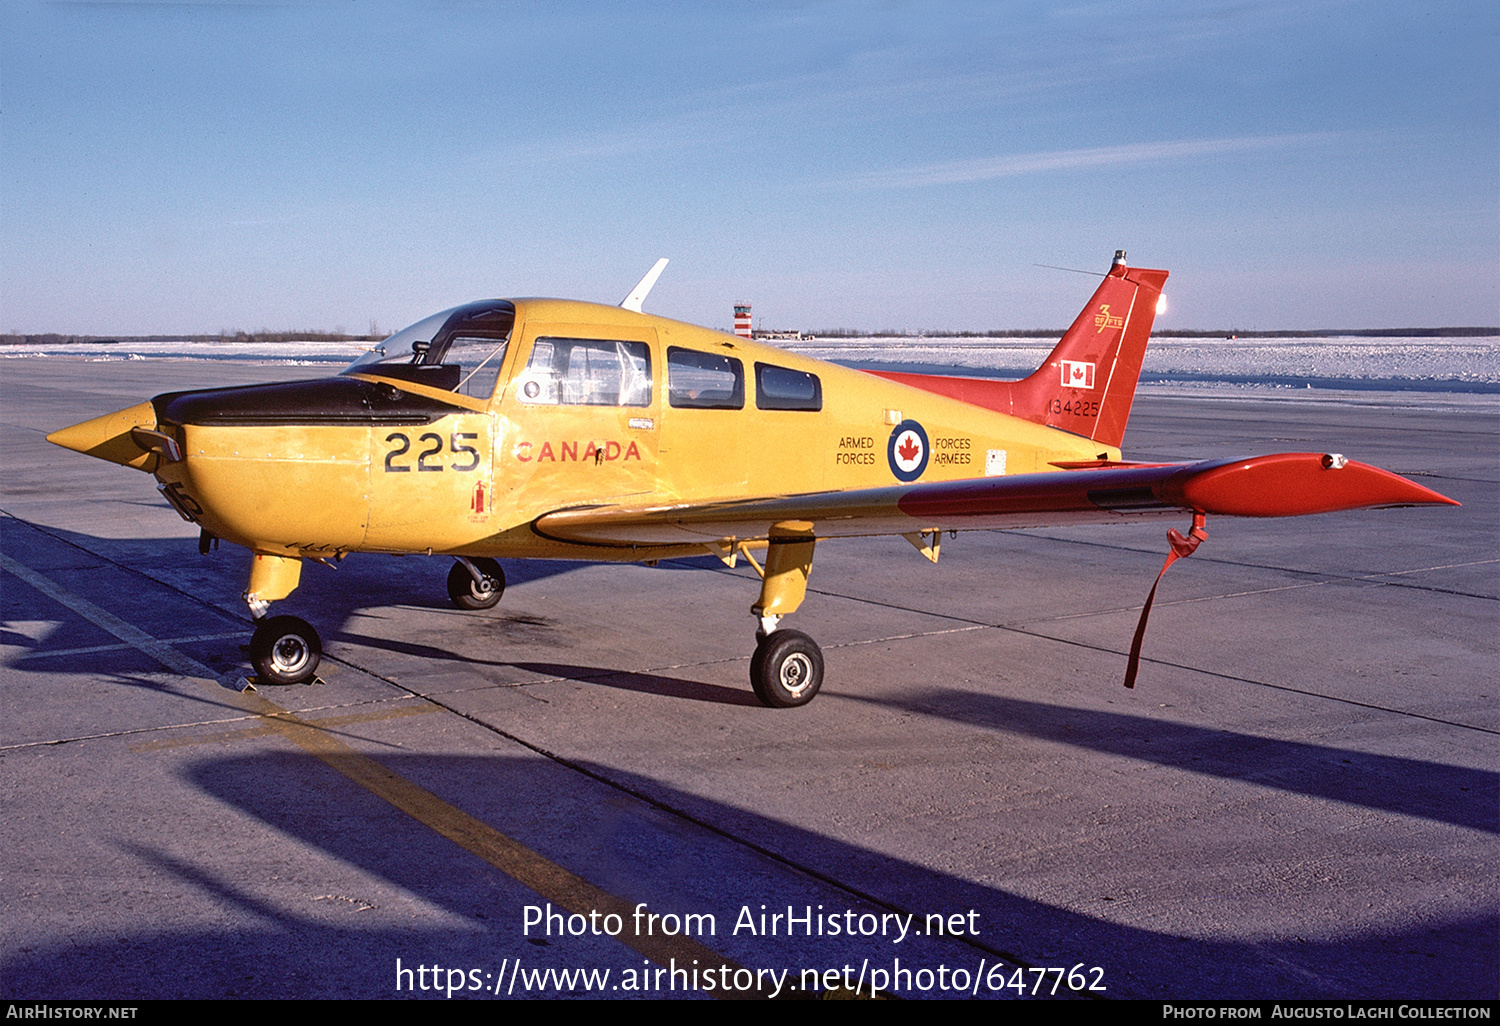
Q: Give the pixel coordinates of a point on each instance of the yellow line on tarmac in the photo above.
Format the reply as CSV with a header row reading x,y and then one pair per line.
x,y
550,881
323,723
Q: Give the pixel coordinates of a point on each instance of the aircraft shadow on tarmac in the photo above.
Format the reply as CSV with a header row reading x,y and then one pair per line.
x,y
296,951
644,683
363,581
317,951
1410,787
1436,791
627,680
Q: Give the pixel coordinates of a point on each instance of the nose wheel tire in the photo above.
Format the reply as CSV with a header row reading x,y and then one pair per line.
x,y
468,593
787,669
285,650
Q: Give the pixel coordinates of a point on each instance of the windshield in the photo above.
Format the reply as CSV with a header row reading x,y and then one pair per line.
x,y
459,350
397,348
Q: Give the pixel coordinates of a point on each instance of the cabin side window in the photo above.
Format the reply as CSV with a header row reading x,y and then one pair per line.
x,y
781,388
587,372
704,381
478,361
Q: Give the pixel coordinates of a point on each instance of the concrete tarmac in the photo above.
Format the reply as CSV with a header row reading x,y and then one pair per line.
x,y
1298,800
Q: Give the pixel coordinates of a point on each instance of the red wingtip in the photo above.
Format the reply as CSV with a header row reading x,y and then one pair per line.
x,y
1293,484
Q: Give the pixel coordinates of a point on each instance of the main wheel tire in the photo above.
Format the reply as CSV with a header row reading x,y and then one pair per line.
x,y
468,593
285,650
787,669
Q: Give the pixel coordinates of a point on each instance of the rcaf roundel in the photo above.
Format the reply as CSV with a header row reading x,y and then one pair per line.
x,y
1077,374
907,451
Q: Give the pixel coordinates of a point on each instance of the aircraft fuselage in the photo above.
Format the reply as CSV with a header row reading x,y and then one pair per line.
x,y
376,463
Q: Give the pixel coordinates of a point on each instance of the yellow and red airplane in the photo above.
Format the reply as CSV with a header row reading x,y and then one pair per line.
x,y
539,428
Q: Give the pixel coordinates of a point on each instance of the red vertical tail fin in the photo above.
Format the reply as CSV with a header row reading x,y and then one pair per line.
x,y
1087,384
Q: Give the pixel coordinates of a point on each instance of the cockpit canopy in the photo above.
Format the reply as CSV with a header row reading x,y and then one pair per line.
x,y
459,350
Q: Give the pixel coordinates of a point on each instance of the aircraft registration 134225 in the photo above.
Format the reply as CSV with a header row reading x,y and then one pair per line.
x,y
539,428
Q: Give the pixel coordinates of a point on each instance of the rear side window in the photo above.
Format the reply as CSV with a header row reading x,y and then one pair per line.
x,y
780,388
703,381
587,372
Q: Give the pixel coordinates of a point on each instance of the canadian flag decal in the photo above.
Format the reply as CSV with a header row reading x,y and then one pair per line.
x,y
1077,374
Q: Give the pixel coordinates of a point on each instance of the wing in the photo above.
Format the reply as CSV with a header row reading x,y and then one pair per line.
x,y
1286,484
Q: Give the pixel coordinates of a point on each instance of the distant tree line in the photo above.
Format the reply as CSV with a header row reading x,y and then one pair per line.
x,y
907,333
265,335
262,336
1331,332
1466,332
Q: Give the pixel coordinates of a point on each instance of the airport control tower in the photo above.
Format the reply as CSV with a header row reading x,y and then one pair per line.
x,y
742,320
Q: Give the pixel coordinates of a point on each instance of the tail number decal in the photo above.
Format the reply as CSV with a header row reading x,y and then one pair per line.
x,y
1077,407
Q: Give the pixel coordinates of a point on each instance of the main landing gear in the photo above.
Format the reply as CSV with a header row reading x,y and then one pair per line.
x,y
787,668
287,649
476,583
785,672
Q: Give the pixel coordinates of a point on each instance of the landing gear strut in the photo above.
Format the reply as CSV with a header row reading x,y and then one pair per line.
x,y
787,668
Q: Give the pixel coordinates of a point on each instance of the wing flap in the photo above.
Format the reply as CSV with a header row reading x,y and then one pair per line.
x,y
1285,484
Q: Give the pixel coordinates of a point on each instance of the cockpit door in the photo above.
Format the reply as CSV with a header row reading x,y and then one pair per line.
x,y
580,417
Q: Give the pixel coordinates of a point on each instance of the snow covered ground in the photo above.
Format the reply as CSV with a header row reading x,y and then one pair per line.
x,y
1425,364
320,354
1463,365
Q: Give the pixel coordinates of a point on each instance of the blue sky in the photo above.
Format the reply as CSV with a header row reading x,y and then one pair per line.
x,y
188,167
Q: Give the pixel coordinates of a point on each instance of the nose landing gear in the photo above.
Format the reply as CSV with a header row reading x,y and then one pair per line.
x,y
285,650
